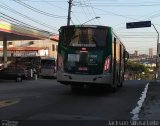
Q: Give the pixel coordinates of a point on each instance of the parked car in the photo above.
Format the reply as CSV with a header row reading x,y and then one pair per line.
x,y
17,74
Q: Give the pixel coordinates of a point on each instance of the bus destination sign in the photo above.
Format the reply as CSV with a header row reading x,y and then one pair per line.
x,y
138,24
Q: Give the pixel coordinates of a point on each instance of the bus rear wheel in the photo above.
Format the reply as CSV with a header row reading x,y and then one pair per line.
x,y
115,84
113,88
121,80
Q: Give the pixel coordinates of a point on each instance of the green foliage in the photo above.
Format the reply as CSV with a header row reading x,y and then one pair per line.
x,y
139,71
135,67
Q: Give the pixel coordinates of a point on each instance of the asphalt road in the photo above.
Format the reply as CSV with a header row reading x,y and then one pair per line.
x,y
45,99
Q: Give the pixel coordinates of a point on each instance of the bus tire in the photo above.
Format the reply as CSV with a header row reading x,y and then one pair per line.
x,y
120,85
113,89
121,81
114,85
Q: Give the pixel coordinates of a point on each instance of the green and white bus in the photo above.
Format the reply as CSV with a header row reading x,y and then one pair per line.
x,y
90,55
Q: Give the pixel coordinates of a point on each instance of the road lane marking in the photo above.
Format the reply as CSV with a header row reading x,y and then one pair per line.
x,y
137,109
8,102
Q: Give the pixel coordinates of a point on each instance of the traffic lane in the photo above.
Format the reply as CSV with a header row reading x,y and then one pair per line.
x,y
97,104
69,100
60,103
92,104
28,96
9,85
10,89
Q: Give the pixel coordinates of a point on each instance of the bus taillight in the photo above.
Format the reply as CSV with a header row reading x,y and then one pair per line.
x,y
59,62
107,64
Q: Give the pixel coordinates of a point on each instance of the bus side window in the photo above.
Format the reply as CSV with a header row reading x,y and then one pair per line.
x,y
114,48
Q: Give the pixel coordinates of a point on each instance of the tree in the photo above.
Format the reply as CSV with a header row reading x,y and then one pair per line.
x,y
138,70
135,67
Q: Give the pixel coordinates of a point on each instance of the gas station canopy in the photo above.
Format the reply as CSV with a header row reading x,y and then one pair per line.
x,y
11,32
18,32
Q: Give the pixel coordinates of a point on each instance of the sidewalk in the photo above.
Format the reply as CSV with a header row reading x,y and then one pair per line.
x,y
151,107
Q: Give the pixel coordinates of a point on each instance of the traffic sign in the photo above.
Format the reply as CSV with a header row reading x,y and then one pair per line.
x,y
138,24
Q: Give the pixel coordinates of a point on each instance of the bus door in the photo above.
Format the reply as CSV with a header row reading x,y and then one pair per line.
x,y
114,60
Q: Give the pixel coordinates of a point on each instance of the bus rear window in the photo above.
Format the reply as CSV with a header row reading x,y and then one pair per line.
x,y
47,63
84,37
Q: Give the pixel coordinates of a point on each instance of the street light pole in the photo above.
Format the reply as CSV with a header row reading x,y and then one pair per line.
x,y
156,53
91,20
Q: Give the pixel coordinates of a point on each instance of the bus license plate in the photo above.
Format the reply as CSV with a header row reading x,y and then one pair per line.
x,y
82,68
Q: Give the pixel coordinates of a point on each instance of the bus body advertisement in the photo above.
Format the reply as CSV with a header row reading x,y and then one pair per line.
x,y
89,54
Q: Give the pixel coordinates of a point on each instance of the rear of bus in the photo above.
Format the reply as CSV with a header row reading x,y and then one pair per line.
x,y
84,55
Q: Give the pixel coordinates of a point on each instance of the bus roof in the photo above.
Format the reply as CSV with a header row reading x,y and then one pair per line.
x,y
90,26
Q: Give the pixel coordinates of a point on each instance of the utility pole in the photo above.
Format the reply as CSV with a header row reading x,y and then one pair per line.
x,y
69,12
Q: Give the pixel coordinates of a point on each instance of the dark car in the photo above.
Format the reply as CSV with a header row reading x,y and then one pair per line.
x,y
17,74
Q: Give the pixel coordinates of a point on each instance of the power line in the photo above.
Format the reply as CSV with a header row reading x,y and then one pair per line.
x,y
31,19
115,14
84,11
23,26
93,11
138,35
72,21
43,0
20,23
154,16
120,15
14,20
144,4
50,3
38,11
76,18
89,12
143,17
145,36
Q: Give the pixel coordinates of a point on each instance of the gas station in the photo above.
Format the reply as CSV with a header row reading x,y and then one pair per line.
x,y
12,32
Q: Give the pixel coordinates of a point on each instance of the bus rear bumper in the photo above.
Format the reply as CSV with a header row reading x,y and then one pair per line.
x,y
66,78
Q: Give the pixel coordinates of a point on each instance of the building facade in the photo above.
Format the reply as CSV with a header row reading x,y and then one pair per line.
x,y
26,48
136,53
150,52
